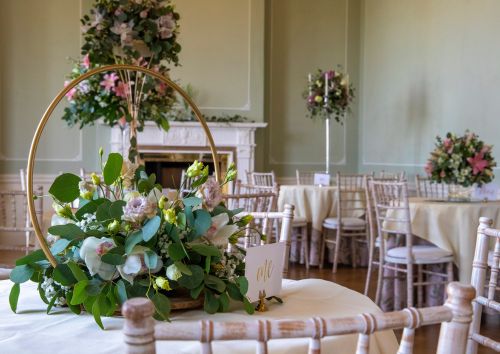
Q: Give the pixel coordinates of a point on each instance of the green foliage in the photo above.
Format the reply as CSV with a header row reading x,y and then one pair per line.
x,y
14,296
65,187
112,168
151,228
21,273
162,306
68,231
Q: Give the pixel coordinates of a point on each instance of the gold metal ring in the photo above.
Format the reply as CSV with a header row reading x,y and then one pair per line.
x,y
39,130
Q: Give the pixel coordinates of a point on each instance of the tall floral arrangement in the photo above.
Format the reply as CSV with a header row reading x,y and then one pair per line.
x,y
328,94
126,240
463,160
139,32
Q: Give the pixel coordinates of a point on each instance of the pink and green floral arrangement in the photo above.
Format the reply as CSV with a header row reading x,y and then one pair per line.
x,y
462,160
142,33
126,239
328,94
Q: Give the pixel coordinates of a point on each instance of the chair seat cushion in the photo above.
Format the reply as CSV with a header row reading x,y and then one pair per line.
x,y
422,255
347,223
4,273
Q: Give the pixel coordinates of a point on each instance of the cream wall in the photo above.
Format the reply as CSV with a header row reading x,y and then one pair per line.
x,y
427,67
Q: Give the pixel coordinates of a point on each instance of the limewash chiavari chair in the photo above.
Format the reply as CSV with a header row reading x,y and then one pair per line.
x,y
264,222
349,222
252,198
267,179
305,178
400,176
427,189
141,332
393,217
480,266
14,216
373,242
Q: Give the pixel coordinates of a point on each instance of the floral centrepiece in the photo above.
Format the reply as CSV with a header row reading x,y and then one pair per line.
x,y
129,240
461,160
142,33
328,94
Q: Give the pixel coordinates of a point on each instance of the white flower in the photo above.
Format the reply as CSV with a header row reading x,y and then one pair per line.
x,y
57,220
220,231
173,273
92,250
134,264
139,208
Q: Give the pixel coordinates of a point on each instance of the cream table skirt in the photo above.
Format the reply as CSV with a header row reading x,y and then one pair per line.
x,y
315,204
32,331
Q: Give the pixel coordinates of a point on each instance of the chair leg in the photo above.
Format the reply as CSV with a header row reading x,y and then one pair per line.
x,y
380,279
449,273
305,246
353,251
371,250
420,289
409,285
337,249
322,248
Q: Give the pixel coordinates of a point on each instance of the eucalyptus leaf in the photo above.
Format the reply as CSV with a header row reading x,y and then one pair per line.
x,y
116,209
102,212
14,296
65,187
205,250
215,283
63,275
194,280
192,201
113,258
234,292
132,240
211,304
113,168
21,273
162,306
33,257
202,221
89,208
249,308
150,259
68,231
59,246
224,302
195,293
184,269
243,283
151,228
176,251
121,290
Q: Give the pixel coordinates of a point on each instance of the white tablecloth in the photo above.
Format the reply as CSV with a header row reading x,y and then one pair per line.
x,y
32,331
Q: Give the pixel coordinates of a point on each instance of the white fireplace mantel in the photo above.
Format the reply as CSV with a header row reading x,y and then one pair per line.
x,y
236,139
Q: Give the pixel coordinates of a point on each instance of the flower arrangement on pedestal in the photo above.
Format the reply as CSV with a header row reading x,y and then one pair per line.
x,y
126,240
461,160
135,32
328,94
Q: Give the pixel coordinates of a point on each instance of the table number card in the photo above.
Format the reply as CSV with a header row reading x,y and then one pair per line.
x,y
264,270
322,179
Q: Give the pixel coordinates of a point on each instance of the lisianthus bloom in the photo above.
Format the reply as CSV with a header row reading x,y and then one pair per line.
x,y
92,250
163,283
219,232
195,169
109,81
212,193
134,264
169,215
138,209
173,273
62,210
166,26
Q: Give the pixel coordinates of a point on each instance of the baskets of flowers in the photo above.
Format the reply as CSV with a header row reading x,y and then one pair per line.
x,y
461,162
126,239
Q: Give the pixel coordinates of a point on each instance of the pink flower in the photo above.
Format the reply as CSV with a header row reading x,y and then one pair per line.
x,y
71,92
448,145
109,81
122,89
330,74
161,88
428,168
86,61
442,174
212,193
478,163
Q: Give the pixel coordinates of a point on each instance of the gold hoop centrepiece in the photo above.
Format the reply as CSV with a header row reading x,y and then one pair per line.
x,y
39,130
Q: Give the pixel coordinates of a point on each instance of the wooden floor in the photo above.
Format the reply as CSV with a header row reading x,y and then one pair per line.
x,y
426,338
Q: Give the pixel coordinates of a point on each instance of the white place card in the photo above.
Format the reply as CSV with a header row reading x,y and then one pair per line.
x,y
264,269
486,192
321,179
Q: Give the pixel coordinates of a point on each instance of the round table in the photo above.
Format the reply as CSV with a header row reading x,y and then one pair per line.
x,y
33,331
452,226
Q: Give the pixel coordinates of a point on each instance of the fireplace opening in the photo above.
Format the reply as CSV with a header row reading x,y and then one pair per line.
x,y
168,166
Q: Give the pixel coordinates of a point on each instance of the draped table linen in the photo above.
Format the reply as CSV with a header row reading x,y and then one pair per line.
x,y
33,331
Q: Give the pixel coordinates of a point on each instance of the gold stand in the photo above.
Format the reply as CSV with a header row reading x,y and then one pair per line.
x,y
261,307
50,110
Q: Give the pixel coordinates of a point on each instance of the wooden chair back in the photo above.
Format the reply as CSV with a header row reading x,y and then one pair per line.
x,y
141,331
351,196
269,223
253,198
305,178
427,189
480,266
187,184
267,179
14,216
398,176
